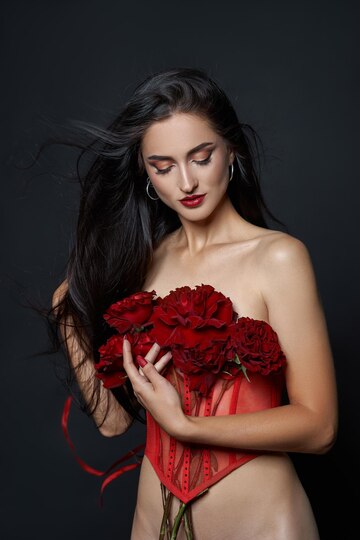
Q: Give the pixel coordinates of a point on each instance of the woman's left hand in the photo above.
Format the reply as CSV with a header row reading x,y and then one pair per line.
x,y
155,393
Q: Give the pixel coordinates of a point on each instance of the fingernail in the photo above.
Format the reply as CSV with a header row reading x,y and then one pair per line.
x,y
141,360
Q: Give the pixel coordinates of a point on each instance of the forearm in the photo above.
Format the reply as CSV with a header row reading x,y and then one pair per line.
x,y
108,414
287,428
117,420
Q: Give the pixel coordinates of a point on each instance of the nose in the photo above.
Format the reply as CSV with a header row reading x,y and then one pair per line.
x,y
187,182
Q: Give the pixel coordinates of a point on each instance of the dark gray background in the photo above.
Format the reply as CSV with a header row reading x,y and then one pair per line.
x,y
291,70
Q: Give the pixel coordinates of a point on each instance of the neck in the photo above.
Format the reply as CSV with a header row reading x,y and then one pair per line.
x,y
222,226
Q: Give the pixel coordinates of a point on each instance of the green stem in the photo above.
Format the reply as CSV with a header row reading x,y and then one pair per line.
x,y
177,521
187,524
168,524
164,528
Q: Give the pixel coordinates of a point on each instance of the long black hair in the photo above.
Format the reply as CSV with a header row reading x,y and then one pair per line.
x,y
119,226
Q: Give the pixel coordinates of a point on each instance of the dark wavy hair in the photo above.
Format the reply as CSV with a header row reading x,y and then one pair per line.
x,y
119,226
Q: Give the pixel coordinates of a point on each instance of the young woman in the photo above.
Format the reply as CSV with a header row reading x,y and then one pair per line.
x,y
172,200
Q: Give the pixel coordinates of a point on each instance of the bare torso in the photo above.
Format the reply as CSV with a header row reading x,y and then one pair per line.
x,y
264,498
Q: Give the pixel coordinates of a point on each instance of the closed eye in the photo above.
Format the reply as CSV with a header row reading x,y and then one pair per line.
x,y
202,162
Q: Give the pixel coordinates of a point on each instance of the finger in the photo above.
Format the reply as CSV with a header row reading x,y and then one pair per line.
x,y
150,371
159,364
152,354
163,361
129,366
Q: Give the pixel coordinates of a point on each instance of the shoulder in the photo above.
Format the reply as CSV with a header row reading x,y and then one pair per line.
x,y
281,250
285,268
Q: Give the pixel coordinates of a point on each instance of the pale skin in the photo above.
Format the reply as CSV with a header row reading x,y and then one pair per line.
x,y
268,275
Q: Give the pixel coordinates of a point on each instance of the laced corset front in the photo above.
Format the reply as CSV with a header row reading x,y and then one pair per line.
x,y
188,469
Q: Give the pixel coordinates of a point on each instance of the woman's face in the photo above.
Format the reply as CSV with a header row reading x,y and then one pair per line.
x,y
183,156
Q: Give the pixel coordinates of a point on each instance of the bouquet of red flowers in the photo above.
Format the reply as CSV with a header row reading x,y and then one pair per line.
x,y
199,326
205,335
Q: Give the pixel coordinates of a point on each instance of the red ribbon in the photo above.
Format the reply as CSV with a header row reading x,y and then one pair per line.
x,y
88,468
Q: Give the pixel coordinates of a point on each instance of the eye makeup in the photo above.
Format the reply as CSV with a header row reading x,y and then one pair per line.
x,y
198,162
192,151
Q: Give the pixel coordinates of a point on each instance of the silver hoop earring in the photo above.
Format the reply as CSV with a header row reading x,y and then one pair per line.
x,y
147,190
232,172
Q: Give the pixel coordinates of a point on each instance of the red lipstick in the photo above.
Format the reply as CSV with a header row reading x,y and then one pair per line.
x,y
194,200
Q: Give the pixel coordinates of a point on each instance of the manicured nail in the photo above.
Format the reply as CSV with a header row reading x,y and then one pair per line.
x,y
141,360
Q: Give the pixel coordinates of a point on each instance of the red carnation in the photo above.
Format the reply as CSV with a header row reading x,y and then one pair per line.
x,y
130,313
201,329
202,365
257,346
192,317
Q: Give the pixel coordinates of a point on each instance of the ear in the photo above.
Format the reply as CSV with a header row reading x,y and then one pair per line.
x,y
231,155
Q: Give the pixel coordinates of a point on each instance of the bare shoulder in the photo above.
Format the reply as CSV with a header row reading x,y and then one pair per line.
x,y
281,262
280,250
287,279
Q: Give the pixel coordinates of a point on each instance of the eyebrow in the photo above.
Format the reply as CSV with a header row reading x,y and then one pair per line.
x,y
192,151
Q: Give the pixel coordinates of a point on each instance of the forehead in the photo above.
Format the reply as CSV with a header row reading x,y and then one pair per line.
x,y
175,135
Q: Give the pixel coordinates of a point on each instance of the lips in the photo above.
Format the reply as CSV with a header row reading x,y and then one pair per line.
x,y
193,201
191,197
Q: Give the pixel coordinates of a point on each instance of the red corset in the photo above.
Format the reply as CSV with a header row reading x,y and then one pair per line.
x,y
188,469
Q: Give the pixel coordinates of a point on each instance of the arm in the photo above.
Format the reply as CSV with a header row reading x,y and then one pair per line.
x,y
309,422
118,420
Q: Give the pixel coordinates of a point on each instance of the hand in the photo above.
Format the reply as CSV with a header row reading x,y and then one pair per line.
x,y
151,357
155,393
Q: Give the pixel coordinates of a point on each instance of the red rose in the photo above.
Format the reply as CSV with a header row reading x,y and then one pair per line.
x,y
131,312
110,367
192,317
257,345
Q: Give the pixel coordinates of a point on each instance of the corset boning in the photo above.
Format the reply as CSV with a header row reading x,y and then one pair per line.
x,y
186,469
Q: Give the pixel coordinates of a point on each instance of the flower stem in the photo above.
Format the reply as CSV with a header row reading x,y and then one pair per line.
x,y
177,521
184,512
187,524
224,387
164,528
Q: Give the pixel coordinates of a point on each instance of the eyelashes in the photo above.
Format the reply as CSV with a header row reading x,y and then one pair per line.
x,y
202,162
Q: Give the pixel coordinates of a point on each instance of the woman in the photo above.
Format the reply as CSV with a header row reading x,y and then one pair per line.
x,y
179,137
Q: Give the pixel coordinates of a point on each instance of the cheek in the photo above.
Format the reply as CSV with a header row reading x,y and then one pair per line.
x,y
218,172
161,185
